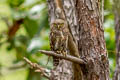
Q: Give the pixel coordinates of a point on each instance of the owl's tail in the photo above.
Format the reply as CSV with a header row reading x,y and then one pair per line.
x,y
56,61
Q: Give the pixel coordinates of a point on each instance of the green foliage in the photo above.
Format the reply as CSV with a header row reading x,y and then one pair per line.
x,y
31,35
108,4
31,26
110,34
15,3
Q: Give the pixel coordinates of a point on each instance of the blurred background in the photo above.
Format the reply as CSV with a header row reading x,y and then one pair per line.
x,y
24,29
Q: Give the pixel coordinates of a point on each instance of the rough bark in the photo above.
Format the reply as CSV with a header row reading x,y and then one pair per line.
x,y
64,70
91,40
117,37
85,24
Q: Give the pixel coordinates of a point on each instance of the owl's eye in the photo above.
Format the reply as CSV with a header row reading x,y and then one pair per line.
x,y
55,25
61,25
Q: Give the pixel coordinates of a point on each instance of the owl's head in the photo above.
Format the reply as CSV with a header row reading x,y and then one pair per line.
x,y
58,23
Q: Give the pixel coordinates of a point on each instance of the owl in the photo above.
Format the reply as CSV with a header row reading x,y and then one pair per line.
x,y
59,39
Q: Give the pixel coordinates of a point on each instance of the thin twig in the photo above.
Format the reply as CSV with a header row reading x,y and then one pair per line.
x,y
67,57
38,68
17,66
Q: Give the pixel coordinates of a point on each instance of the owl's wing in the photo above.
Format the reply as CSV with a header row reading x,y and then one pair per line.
x,y
53,40
54,46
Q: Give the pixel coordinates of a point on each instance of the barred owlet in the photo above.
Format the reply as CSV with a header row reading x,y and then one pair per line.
x,y
59,39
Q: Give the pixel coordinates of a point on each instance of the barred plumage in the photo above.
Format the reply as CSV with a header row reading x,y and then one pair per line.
x,y
59,39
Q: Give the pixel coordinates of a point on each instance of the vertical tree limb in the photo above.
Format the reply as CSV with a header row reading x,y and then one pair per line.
x,y
85,23
91,40
117,38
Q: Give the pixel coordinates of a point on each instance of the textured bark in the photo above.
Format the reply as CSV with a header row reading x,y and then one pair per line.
x,y
117,31
91,40
85,23
64,70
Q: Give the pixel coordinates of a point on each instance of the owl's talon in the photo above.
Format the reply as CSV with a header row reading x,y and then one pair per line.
x,y
64,54
58,52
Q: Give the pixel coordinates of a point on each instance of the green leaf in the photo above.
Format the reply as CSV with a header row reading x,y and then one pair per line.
x,y
31,26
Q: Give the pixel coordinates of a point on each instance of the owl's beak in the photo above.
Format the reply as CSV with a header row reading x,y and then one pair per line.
x,y
58,26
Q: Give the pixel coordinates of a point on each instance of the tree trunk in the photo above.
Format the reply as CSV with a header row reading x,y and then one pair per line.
x,y
85,24
117,31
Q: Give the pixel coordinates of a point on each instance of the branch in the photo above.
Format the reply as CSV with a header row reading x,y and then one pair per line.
x,y
5,19
67,57
38,68
14,28
17,66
